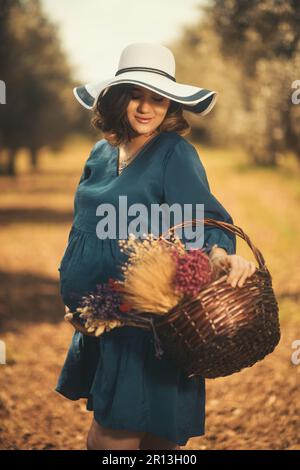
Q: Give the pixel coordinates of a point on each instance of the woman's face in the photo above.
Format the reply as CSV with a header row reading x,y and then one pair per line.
x,y
146,110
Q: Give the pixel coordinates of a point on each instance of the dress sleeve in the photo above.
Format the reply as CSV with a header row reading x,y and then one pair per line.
x,y
185,182
86,170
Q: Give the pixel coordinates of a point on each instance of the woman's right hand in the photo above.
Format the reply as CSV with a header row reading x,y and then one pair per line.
x,y
240,268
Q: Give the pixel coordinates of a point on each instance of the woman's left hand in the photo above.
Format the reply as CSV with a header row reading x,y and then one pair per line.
x,y
240,268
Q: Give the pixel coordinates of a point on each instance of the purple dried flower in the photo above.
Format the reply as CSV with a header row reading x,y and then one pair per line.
x,y
104,302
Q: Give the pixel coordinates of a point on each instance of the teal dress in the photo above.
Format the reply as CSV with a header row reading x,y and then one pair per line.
x,y
126,385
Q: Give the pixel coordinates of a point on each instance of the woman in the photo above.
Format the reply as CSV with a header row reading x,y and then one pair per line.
x,y
139,401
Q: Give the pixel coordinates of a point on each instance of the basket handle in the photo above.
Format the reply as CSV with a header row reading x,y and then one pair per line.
x,y
227,226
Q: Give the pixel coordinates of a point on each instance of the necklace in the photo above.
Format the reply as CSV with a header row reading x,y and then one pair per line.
x,y
124,163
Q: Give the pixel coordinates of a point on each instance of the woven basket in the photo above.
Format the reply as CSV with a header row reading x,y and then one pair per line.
x,y
222,330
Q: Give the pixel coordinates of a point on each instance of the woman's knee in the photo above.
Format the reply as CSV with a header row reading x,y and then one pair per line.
x,y
90,444
152,442
100,438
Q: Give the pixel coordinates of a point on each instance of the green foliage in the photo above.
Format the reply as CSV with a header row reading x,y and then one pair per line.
x,y
39,110
260,29
250,53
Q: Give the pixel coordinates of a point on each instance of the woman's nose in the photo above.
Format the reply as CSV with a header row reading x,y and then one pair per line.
x,y
144,105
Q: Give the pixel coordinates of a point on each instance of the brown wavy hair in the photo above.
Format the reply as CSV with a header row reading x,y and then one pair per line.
x,y
110,116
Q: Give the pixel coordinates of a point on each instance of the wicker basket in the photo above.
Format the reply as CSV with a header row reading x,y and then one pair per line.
x,y
224,329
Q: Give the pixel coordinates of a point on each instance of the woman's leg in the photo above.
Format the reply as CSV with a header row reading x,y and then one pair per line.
x,y
100,438
151,442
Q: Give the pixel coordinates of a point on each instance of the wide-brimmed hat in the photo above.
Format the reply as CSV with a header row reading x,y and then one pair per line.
x,y
151,66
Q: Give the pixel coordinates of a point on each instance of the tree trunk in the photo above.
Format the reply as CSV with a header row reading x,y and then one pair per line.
x,y
34,158
11,166
2,167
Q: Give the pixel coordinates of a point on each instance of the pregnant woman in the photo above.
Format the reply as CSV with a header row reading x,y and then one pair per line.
x,y
138,401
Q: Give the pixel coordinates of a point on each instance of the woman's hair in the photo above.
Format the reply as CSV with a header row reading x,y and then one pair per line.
x,y
110,116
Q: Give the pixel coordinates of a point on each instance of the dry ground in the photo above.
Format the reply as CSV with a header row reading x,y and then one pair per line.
x,y
255,409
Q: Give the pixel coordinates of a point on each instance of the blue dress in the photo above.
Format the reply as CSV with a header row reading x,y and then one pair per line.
x,y
125,384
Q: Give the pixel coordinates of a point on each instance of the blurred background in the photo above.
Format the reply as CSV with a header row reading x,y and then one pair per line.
x,y
249,144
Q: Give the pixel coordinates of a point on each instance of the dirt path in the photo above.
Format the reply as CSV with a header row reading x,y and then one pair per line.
x,y
34,416
255,409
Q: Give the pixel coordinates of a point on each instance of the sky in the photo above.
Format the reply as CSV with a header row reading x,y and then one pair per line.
x,y
94,32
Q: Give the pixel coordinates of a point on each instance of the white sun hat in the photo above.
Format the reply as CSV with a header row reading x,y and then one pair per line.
x,y
152,66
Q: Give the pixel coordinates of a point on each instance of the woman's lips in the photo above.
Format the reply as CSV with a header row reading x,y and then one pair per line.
x,y
143,121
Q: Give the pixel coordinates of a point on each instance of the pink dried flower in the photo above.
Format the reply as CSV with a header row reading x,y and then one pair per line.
x,y
193,271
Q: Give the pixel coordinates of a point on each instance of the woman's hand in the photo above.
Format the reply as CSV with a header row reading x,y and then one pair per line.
x,y
240,268
67,310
